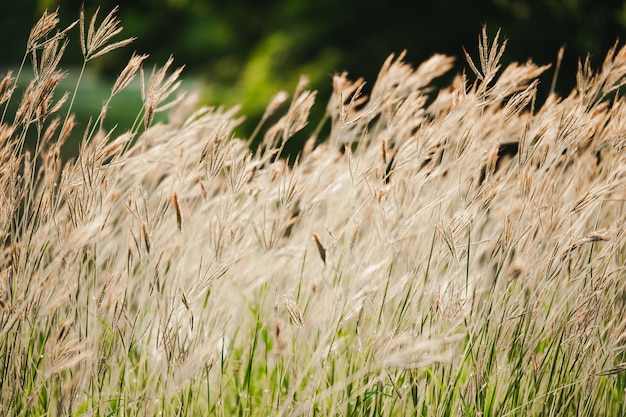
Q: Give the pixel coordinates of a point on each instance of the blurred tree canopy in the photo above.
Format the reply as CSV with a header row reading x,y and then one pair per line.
x,y
245,51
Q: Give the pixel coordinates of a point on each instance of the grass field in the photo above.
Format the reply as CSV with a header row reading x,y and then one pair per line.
x,y
440,252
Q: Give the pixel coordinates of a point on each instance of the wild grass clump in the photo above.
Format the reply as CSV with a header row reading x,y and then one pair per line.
x,y
458,251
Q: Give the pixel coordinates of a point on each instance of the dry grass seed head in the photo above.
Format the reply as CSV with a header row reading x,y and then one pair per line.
x,y
345,100
516,78
404,349
41,29
490,58
50,130
320,248
44,108
159,89
37,99
296,119
6,131
69,125
50,58
179,216
294,311
95,43
298,116
7,86
436,66
129,72
276,101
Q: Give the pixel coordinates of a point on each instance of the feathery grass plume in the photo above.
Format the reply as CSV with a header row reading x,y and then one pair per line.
x,y
295,120
298,113
128,73
95,42
122,81
39,39
46,24
158,89
499,242
344,92
69,125
595,87
7,87
51,55
294,311
489,57
276,101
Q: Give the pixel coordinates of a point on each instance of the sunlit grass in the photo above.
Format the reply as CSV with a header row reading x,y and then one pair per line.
x,y
440,252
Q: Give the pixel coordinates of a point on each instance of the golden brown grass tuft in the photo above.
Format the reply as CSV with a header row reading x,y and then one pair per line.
x,y
472,245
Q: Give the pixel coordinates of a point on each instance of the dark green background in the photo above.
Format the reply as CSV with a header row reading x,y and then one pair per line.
x,y
244,51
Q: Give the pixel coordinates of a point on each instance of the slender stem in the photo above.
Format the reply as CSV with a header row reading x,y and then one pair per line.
x,y
100,120
135,127
320,125
69,109
256,131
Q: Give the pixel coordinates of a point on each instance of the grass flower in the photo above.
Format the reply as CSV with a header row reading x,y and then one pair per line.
x,y
473,261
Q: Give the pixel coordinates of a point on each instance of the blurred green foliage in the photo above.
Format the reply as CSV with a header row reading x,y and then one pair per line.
x,y
244,51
